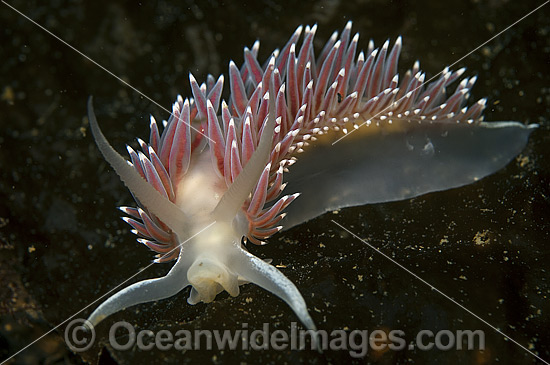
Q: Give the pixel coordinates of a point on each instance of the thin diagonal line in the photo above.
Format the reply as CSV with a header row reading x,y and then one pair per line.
x,y
104,295
99,65
439,291
439,73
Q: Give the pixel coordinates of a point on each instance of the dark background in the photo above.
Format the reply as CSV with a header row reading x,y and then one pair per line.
x,y
62,243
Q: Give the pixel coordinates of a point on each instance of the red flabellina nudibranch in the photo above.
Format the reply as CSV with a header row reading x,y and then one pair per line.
x,y
214,177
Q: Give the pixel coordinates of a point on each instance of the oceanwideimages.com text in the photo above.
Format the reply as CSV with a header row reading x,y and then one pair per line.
x,y
80,336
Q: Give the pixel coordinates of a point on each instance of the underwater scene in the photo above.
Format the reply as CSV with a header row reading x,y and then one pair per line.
x,y
390,256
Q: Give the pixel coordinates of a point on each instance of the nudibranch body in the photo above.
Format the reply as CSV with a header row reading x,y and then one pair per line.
x,y
215,174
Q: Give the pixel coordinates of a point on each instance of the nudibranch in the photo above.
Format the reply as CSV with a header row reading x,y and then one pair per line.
x,y
214,177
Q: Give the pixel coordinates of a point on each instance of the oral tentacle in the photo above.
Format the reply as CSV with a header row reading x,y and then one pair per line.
x,y
259,272
145,291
